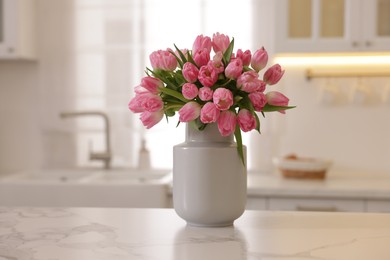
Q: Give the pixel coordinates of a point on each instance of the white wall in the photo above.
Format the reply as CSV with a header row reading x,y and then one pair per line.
x,y
20,143
355,135
32,92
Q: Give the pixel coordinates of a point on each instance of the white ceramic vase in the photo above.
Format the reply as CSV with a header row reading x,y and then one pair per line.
x,y
209,178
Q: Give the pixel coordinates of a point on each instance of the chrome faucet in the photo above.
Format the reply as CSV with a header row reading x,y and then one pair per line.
x,y
103,156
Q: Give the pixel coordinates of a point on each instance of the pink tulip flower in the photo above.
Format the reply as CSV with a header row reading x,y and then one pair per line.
x,y
217,63
220,42
149,119
259,59
139,90
223,98
246,120
208,76
258,100
273,74
205,93
201,42
244,56
234,69
201,57
209,113
227,122
146,102
249,82
135,104
276,98
190,111
190,72
152,84
151,102
163,60
189,91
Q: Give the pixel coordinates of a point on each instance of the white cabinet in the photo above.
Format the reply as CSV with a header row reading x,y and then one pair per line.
x,y
378,206
332,25
256,203
17,34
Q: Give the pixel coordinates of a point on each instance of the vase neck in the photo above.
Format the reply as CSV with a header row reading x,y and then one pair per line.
x,y
209,134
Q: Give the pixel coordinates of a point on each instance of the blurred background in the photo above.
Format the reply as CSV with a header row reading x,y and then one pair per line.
x,y
90,54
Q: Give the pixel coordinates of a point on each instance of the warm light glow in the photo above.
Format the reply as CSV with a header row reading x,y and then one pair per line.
x,y
334,60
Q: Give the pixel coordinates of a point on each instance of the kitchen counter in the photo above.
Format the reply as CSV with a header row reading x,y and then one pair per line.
x,y
114,233
334,186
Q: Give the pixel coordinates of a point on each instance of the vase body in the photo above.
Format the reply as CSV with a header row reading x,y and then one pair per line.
x,y
209,178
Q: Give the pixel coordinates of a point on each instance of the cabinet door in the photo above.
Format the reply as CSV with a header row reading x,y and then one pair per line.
x,y
376,25
378,205
7,27
17,29
316,25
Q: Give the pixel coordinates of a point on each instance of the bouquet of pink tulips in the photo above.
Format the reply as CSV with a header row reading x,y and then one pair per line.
x,y
224,88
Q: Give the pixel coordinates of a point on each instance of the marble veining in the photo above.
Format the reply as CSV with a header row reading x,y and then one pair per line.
x,y
115,233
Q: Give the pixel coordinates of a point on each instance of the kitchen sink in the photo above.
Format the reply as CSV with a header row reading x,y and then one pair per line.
x,y
86,188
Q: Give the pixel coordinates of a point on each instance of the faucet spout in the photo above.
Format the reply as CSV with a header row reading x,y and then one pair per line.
x,y
103,156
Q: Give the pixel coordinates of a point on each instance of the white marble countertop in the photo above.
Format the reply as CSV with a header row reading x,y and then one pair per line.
x,y
101,233
333,186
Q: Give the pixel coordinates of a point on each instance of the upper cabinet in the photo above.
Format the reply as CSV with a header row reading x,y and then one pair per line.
x,y
17,34
332,25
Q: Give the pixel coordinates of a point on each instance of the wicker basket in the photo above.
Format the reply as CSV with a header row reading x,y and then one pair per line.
x,y
301,174
302,168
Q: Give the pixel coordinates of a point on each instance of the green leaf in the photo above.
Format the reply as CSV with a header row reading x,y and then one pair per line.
x,y
174,93
177,59
199,125
190,59
183,58
270,108
237,134
252,109
179,78
257,122
164,77
169,112
228,53
237,99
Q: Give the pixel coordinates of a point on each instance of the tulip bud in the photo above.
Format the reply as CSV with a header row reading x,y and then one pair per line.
x,y
209,113
202,42
220,42
190,72
223,98
190,111
276,98
273,74
227,122
149,119
259,59
244,56
152,84
234,69
246,120
189,91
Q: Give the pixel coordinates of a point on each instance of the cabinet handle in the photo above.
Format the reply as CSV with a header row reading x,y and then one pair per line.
x,y
368,43
355,44
319,208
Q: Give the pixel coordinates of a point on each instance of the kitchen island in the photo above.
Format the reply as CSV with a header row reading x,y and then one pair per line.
x,y
118,233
